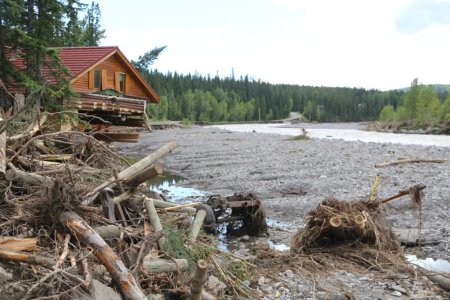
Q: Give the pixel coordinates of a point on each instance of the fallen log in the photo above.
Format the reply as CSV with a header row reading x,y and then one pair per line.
x,y
157,265
177,207
122,278
24,257
199,279
408,161
18,244
133,170
166,204
441,280
23,178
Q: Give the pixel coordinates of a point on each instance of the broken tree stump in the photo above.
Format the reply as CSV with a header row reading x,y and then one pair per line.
x,y
133,170
122,278
199,280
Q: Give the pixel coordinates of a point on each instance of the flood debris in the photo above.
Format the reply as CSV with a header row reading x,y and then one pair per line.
x,y
76,219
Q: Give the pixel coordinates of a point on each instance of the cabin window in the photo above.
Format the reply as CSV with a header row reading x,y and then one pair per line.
x,y
122,82
97,79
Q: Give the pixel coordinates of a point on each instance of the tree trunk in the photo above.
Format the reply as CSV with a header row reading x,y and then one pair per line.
x,y
122,278
23,178
24,257
130,172
145,175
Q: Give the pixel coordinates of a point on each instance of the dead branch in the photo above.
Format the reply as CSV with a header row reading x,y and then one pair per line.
x,y
24,257
408,161
122,278
30,131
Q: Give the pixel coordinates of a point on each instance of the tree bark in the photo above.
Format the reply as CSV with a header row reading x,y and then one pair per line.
x,y
133,170
122,278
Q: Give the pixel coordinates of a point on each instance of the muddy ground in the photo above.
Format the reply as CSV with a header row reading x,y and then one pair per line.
x,y
292,177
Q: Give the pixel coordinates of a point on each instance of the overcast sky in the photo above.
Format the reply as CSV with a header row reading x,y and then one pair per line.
x,y
382,44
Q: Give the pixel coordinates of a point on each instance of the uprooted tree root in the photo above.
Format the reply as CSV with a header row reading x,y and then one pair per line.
x,y
349,223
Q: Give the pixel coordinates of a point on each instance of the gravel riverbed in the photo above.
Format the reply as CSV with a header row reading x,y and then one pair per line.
x,y
292,177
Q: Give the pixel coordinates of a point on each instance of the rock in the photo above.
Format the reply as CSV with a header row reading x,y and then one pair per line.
x,y
245,238
99,291
364,278
377,294
261,280
397,288
288,274
214,286
396,294
262,245
5,275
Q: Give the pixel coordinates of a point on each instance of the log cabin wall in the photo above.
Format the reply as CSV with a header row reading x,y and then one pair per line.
x,y
111,66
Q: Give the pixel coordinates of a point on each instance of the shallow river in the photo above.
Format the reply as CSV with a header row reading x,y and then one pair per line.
x,y
344,131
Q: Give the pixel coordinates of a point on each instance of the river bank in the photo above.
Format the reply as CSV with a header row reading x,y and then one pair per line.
x,y
292,177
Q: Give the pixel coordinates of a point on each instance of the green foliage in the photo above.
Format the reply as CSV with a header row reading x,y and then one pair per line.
x,y
30,29
387,113
421,107
144,61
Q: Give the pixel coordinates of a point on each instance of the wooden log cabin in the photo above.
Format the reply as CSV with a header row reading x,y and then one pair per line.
x,y
107,86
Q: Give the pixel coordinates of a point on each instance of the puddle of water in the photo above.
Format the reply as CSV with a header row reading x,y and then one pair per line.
x,y
438,265
167,185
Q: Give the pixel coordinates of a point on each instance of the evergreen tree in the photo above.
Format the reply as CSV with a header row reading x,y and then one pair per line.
x,y
92,31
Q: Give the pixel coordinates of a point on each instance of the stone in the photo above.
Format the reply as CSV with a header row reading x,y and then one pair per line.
x,y
261,280
377,294
245,238
398,288
288,274
99,291
214,286
396,294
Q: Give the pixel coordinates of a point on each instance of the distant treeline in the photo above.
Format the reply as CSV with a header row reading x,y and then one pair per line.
x,y
205,98
422,106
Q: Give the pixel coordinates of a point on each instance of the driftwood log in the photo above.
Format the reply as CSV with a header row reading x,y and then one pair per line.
x,y
132,171
157,265
122,278
408,161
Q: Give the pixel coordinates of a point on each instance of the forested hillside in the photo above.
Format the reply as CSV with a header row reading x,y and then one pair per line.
x,y
205,98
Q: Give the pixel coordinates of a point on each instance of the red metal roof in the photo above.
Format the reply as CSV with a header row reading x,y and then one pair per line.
x,y
80,59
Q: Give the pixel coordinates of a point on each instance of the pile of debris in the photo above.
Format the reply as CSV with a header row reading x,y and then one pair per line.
x,y
78,221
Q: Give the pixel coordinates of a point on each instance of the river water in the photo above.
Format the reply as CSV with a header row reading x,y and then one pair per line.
x,y
343,131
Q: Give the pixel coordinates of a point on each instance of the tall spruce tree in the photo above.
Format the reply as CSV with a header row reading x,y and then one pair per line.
x,y
92,31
